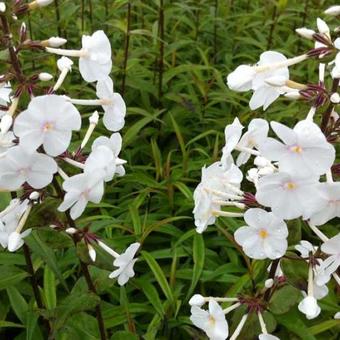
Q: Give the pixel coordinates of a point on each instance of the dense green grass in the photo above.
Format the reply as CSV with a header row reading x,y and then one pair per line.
x,y
172,130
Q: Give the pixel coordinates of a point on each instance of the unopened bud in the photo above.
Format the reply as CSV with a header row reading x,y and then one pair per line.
x,y
56,41
292,95
92,252
6,123
34,196
305,33
269,283
71,231
197,300
322,26
276,81
333,10
64,63
335,98
44,76
2,7
261,162
94,118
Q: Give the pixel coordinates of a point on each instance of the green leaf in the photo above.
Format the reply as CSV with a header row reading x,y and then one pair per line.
x,y
50,288
40,248
324,326
5,324
159,275
18,303
151,293
124,335
284,299
10,276
199,258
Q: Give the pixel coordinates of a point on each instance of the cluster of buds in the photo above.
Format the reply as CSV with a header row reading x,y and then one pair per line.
x,y
291,177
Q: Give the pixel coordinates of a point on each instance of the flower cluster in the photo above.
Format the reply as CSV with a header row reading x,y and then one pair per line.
x,y
35,143
288,176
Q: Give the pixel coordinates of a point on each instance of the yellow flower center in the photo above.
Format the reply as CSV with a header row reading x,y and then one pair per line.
x,y
290,186
47,127
296,149
263,233
212,320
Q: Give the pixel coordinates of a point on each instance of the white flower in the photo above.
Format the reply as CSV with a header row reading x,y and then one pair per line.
x,y
256,134
245,77
115,144
102,159
337,316
330,205
322,26
265,235
212,322
264,94
96,63
5,91
48,121
2,7
309,306
241,79
64,63
232,134
18,166
15,240
335,73
214,177
10,218
289,196
114,106
303,151
331,263
125,263
319,291
81,189
6,141
305,248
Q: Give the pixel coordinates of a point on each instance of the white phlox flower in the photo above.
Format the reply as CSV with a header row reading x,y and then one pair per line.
x,y
211,321
114,143
19,166
81,189
265,235
113,105
272,65
6,141
309,306
125,263
48,121
303,151
217,184
102,159
330,205
94,57
289,196
256,134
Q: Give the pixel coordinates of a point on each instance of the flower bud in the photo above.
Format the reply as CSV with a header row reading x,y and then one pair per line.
x,y
261,162
335,98
64,63
44,76
269,283
293,95
333,10
337,316
34,196
322,26
197,300
56,41
2,7
305,33
94,118
6,123
92,252
71,231
43,3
